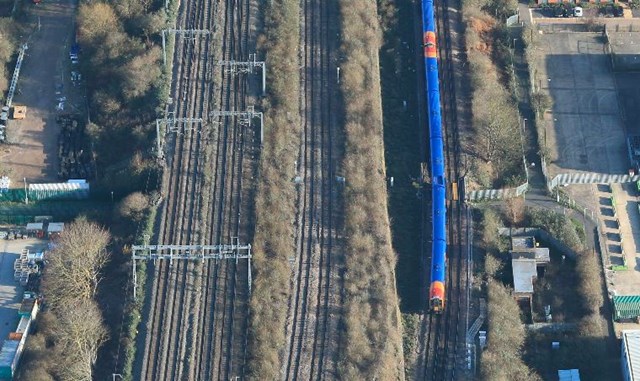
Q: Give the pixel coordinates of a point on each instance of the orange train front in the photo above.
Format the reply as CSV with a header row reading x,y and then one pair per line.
x,y
438,181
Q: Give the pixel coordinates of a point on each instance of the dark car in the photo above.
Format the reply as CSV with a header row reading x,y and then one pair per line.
x,y
618,11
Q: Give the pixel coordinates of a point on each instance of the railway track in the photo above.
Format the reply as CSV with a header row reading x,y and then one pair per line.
x,y
197,312
310,353
443,336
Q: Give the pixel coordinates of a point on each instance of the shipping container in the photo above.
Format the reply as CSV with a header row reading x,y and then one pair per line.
x,y
24,324
8,354
29,308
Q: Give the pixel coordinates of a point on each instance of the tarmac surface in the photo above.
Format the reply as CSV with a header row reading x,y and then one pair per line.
x,y
584,131
10,290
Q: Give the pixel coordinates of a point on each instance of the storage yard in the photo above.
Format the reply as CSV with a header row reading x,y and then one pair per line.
x,y
45,77
16,314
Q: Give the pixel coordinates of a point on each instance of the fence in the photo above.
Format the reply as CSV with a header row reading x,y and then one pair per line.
x,y
590,178
20,214
496,194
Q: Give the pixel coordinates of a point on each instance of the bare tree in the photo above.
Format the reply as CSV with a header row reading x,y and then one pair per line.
x,y
515,210
81,333
133,206
74,267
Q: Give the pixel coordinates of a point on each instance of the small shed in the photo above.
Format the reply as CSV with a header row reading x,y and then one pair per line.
x,y
527,247
54,229
630,355
35,229
626,307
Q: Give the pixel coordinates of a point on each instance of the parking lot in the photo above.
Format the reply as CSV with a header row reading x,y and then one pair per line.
x,y
584,130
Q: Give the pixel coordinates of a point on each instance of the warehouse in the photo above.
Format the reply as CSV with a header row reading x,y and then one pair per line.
x,y
631,355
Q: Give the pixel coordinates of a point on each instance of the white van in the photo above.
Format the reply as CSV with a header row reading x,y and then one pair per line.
x,y
577,11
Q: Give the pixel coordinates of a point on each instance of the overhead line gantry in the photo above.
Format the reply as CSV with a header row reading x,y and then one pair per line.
x,y
189,252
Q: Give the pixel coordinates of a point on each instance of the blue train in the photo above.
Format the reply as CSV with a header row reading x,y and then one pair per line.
x,y
438,178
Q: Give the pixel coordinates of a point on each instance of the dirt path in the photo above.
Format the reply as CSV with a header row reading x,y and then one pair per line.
x,y
33,154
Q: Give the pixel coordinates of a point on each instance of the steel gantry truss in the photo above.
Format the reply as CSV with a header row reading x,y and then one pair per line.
x,y
16,74
187,33
244,118
173,124
189,252
239,67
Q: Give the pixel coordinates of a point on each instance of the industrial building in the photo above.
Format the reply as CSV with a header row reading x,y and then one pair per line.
x,y
631,355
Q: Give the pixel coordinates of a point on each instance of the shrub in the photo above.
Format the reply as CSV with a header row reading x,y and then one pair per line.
x,y
371,342
275,209
505,338
558,225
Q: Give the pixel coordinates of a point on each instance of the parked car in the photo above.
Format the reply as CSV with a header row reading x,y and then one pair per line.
x,y
577,11
618,11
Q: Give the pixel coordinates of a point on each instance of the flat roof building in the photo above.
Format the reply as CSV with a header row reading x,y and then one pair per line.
x,y
526,256
631,355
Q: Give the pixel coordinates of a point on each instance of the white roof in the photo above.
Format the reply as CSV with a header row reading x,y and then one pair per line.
x,y
631,342
55,227
523,272
34,226
58,186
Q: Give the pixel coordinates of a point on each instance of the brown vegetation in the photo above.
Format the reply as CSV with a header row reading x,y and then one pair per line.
x,y
515,210
8,47
73,268
275,208
72,329
502,360
495,113
371,342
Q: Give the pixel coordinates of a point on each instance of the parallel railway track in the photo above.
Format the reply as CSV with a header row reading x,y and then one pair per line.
x,y
311,331
197,312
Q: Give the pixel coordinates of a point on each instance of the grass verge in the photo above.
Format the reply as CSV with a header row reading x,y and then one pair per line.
x,y
372,340
275,201
133,310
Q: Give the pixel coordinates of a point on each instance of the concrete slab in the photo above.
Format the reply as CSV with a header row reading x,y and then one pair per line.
x,y
584,129
10,291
